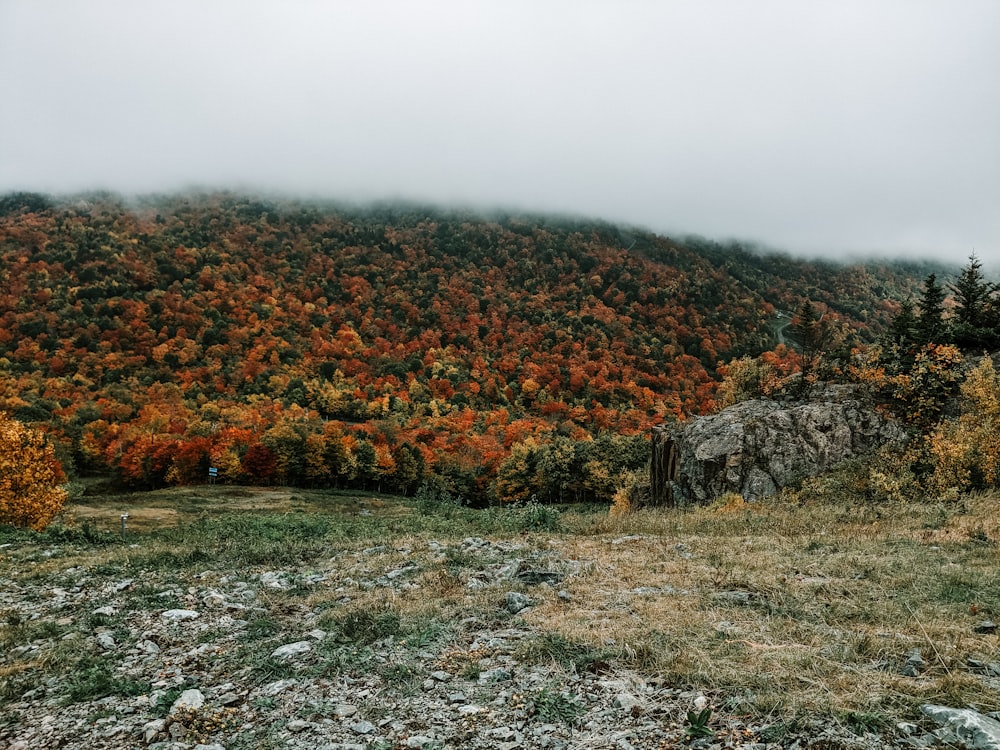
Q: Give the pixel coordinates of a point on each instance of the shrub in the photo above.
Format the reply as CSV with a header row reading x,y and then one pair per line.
x,y
30,495
966,450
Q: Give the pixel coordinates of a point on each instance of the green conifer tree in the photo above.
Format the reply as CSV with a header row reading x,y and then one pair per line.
x,y
930,322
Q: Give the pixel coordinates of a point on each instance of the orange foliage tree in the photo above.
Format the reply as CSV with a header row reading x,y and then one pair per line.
x,y
30,495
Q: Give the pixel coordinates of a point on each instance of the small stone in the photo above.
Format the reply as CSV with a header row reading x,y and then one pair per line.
x,y
536,577
914,665
393,574
191,699
565,596
469,709
625,539
106,611
214,600
275,580
344,710
227,699
147,647
179,615
363,727
495,675
986,627
626,702
278,686
152,730
297,725
106,641
317,634
516,601
456,698
503,734
418,740
441,676
291,650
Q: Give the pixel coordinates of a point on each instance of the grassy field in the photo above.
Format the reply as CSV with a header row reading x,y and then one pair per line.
x,y
778,610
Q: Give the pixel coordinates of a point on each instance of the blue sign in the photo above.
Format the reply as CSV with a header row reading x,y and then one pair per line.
x,y
213,472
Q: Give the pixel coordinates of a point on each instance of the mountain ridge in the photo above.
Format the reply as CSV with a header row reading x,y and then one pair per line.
x,y
452,333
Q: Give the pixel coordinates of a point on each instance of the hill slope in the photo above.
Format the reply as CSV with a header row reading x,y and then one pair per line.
x,y
160,337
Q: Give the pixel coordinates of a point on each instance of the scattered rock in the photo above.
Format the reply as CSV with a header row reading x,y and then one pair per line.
x,y
192,699
536,577
978,666
516,601
418,741
278,686
179,615
363,727
627,702
275,580
914,665
152,730
292,650
966,726
985,627
214,600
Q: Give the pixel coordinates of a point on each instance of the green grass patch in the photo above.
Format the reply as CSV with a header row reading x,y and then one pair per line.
x,y
93,678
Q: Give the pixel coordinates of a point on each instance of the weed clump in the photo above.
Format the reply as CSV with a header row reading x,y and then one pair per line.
x,y
522,517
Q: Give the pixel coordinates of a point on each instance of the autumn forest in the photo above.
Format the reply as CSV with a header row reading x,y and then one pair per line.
x,y
501,357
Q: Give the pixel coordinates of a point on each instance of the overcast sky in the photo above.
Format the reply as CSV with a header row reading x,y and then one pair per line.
x,y
839,127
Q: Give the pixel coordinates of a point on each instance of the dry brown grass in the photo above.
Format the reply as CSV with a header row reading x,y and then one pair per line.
x,y
831,601
780,609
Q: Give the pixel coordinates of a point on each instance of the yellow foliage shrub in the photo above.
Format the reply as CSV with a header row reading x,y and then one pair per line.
x,y
746,379
621,504
966,451
729,502
30,495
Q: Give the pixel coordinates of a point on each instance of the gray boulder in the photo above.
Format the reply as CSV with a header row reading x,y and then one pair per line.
x,y
757,447
966,726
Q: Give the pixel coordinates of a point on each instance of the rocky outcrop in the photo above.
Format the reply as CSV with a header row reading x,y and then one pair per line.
x,y
757,447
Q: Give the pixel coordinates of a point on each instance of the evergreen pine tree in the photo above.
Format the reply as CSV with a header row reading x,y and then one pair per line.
x,y
813,337
972,294
902,331
973,328
930,321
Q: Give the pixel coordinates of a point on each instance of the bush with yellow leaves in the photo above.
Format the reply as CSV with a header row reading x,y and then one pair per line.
x,y
966,450
30,495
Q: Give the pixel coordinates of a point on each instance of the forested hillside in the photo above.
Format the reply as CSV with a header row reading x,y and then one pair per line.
x,y
303,343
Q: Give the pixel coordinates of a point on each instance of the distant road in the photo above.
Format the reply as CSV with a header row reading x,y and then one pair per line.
x,y
779,324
